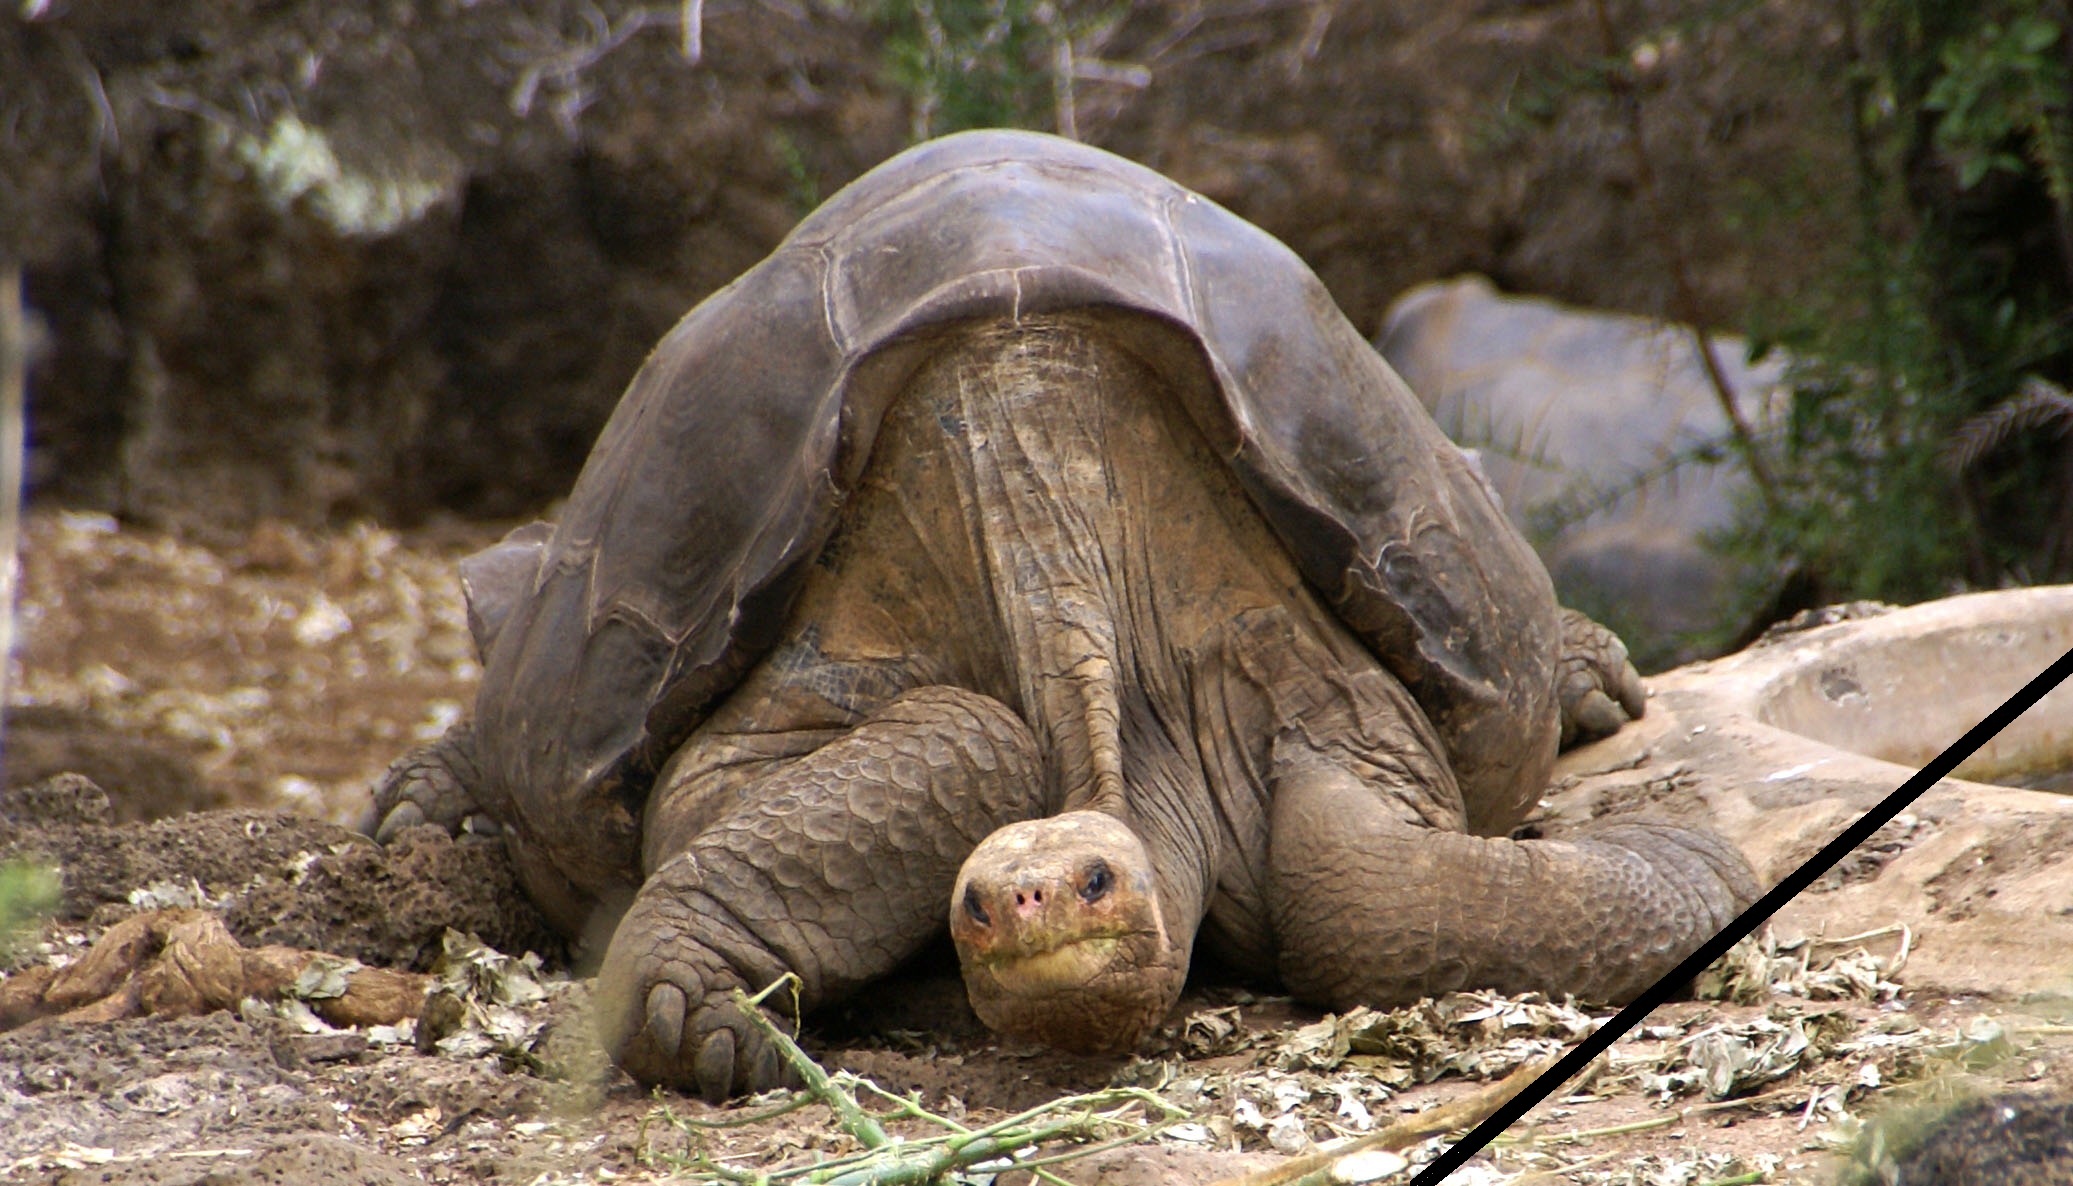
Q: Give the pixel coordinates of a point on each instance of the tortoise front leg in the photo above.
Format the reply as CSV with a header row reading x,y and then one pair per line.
x,y
836,865
1371,909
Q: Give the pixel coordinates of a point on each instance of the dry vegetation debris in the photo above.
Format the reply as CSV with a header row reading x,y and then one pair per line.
x,y
284,660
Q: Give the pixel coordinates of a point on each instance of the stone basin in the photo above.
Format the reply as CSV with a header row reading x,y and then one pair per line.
x,y
1785,744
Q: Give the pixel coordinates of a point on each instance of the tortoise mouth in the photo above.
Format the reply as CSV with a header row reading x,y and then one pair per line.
x,y
1095,995
1067,963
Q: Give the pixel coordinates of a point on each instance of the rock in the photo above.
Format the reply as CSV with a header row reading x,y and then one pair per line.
x,y
152,778
1604,437
310,259
1783,746
2007,1140
314,260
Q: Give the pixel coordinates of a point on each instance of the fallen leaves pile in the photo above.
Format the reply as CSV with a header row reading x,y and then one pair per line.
x,y
1802,1053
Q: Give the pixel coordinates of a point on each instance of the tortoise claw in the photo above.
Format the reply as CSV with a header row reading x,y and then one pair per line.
x,y
433,784
1595,715
665,1028
715,1066
668,1012
1597,686
400,817
710,1048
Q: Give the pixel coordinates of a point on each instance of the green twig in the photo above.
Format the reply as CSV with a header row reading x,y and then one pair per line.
x,y
890,1161
793,1103
854,1120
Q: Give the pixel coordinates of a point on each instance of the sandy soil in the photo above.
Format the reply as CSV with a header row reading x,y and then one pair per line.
x,y
281,670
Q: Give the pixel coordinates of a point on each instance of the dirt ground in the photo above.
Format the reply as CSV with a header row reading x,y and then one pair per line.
x,y
279,671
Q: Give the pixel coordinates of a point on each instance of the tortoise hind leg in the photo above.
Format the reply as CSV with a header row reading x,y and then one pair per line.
x,y
834,864
432,784
1371,909
1598,689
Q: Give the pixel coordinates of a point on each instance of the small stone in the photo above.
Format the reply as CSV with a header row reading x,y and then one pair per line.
x,y
58,800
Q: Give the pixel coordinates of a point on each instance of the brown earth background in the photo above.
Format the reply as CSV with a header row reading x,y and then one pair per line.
x,y
331,261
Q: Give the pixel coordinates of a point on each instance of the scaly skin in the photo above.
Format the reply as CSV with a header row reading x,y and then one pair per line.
x,y
1598,689
835,867
1043,530
433,784
1055,677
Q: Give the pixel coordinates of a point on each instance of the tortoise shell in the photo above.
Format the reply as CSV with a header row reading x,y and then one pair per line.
x,y
725,466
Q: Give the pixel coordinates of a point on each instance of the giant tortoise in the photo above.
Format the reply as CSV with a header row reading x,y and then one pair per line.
x,y
1029,543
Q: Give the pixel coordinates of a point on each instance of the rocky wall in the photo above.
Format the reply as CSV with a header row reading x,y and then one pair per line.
x,y
395,257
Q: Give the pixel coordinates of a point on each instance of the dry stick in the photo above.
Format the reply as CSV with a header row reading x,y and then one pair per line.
x,y
1465,1112
1684,292
1565,1168
693,33
14,364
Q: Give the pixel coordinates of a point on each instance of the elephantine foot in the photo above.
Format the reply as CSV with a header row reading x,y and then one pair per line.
x,y
665,1000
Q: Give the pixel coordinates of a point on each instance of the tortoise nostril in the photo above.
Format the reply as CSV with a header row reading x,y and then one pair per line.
x,y
1100,879
975,908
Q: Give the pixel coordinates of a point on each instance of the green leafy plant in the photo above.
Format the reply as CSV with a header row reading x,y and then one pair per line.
x,y
997,63
2003,85
1919,457
971,63
28,896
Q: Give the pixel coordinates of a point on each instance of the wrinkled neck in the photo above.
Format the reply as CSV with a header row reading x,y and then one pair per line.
x,y
1162,801
1070,452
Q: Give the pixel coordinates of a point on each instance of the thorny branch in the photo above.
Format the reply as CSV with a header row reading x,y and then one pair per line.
x,y
566,67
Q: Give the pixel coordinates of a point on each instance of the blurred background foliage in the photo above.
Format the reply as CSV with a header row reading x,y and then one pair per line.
x,y
1880,191
1927,450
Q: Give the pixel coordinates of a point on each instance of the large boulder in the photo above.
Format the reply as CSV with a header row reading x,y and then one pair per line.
x,y
1606,439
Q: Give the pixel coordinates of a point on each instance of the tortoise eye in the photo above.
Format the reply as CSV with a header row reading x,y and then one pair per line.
x,y
973,908
1099,882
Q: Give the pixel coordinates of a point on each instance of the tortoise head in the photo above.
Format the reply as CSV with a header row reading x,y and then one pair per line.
x,y
1062,937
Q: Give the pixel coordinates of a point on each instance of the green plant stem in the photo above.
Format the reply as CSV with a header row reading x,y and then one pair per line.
x,y
852,1118
1870,242
796,1102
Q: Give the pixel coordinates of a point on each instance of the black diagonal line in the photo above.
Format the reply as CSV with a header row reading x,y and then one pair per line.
x,y
1745,923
